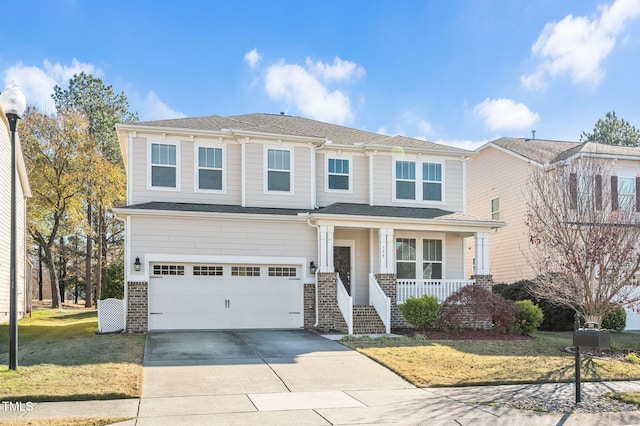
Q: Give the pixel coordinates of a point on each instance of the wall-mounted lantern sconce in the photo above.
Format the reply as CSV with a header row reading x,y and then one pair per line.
x,y
312,267
137,265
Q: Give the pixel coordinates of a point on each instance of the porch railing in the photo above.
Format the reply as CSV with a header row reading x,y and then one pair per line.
x,y
345,303
439,288
379,300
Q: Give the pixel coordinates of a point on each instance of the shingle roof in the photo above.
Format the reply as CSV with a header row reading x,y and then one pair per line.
x,y
299,126
339,209
548,152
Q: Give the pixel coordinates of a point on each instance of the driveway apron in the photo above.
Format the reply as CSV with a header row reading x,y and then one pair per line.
x,y
253,376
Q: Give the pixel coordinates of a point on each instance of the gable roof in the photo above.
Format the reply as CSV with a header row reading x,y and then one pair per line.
x,y
298,126
549,152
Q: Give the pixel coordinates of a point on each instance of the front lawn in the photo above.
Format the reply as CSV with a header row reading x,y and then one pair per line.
x,y
62,358
431,363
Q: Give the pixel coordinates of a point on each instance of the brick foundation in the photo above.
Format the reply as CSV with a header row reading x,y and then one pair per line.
x,y
329,315
484,280
388,284
309,305
137,307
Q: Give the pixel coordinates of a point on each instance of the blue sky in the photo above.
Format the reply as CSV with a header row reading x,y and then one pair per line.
x,y
455,72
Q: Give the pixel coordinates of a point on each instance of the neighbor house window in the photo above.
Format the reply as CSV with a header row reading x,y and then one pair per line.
x,y
338,174
164,166
278,170
432,259
626,193
210,168
406,258
432,181
405,180
495,208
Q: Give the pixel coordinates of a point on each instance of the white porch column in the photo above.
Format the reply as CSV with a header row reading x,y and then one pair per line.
x,y
386,250
326,249
482,253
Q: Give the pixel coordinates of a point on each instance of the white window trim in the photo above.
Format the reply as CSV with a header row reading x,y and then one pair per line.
x,y
151,142
491,212
414,180
196,167
420,237
419,161
326,174
291,170
633,194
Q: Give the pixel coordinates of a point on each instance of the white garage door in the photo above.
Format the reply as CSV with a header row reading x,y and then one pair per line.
x,y
189,297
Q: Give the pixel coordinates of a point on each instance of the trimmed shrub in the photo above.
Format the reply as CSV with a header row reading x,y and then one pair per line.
x,y
476,307
556,318
616,320
529,316
421,312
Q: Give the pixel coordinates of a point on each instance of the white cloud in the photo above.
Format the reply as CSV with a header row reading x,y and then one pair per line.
x,y
425,126
464,144
303,88
505,114
37,83
252,58
340,70
578,45
151,107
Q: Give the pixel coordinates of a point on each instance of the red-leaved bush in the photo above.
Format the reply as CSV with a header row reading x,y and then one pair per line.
x,y
476,307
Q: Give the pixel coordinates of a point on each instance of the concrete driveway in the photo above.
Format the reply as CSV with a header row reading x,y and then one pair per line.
x,y
250,376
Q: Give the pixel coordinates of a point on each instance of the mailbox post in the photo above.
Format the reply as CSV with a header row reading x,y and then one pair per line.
x,y
592,336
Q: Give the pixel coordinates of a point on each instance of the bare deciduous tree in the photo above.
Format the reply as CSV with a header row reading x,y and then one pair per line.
x,y
585,235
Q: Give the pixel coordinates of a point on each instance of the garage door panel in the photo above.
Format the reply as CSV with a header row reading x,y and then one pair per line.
x,y
187,302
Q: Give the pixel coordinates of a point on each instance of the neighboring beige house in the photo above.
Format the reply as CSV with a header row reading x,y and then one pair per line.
x,y
496,189
227,218
22,192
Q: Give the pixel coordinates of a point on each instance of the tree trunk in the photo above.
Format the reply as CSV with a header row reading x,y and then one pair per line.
x,y
88,299
40,296
62,269
55,291
100,264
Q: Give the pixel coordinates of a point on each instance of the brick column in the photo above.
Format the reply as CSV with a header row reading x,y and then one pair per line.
x,y
485,281
137,307
389,285
329,315
309,305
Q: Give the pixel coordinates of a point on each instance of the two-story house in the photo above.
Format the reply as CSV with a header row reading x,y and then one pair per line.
x,y
274,221
23,191
497,189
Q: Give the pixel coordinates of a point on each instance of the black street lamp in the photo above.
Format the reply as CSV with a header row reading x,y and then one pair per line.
x,y
13,103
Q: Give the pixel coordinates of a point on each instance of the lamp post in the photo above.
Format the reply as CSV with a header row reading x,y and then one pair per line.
x,y
13,103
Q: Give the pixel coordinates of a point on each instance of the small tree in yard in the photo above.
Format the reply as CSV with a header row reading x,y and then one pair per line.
x,y
476,307
585,236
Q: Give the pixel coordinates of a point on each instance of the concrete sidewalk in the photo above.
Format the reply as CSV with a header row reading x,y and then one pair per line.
x,y
437,406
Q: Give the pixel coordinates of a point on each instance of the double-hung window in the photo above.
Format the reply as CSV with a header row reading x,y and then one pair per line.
x,y
405,180
406,258
495,208
210,168
432,181
164,166
626,193
278,170
338,174
432,259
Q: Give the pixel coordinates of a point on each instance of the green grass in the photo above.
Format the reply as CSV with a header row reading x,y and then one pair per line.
x,y
628,397
63,421
431,363
60,357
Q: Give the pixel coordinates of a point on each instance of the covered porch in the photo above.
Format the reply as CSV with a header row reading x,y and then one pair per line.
x,y
370,260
